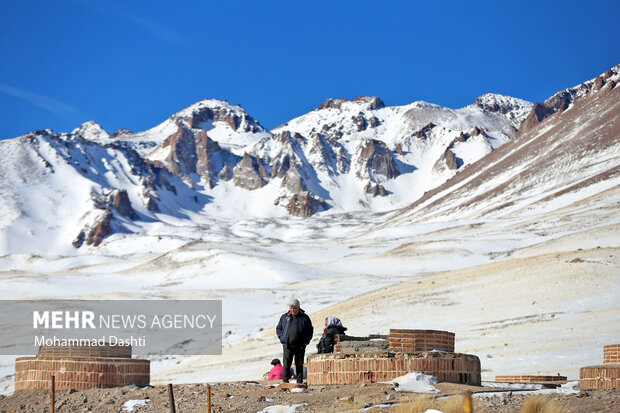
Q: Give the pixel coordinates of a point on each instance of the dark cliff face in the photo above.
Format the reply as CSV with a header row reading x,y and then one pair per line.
x,y
376,160
192,151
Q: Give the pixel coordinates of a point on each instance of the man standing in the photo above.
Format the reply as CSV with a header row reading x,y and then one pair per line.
x,y
295,332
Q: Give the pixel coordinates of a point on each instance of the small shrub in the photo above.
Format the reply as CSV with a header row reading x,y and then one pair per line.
x,y
541,404
420,404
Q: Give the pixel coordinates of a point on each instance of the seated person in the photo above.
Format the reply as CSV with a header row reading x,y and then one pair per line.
x,y
333,326
276,371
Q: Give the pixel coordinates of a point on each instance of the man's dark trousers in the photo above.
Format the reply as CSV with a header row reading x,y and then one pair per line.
x,y
290,353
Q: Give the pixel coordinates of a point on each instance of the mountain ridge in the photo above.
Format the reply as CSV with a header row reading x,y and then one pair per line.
x,y
212,158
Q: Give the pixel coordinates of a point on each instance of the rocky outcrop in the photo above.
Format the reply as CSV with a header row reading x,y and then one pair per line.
x,y
477,131
119,201
492,105
100,230
450,160
371,102
288,137
190,152
281,166
462,137
539,112
91,130
79,240
151,204
377,162
362,123
332,104
375,190
226,174
238,122
116,201
425,131
305,204
563,99
368,102
121,132
182,157
249,173
97,232
322,153
342,160
293,181
158,176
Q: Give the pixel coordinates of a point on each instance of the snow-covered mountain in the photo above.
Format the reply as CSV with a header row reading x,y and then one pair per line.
x,y
517,252
571,153
214,159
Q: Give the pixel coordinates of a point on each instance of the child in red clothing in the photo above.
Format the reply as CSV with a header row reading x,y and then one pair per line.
x,y
276,371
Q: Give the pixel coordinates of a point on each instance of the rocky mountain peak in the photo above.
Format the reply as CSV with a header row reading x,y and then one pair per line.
x,y
203,114
332,104
370,102
91,130
562,100
504,105
366,102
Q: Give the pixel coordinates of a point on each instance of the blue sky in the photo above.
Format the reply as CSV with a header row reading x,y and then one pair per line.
x,y
131,64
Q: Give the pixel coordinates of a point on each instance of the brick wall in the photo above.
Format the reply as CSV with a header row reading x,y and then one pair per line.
x,y
85,351
408,341
529,379
370,368
611,354
600,377
79,373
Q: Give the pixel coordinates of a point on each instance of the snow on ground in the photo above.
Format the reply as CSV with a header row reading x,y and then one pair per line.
x,y
329,262
283,409
416,383
131,404
572,387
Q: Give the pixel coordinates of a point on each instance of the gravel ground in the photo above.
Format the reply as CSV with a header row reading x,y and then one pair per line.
x,y
254,397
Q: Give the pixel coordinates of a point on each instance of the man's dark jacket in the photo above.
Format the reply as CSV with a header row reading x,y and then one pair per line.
x,y
304,325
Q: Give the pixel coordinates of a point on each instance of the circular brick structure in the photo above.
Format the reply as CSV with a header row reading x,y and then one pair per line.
x,y
80,368
531,379
606,376
371,368
379,358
